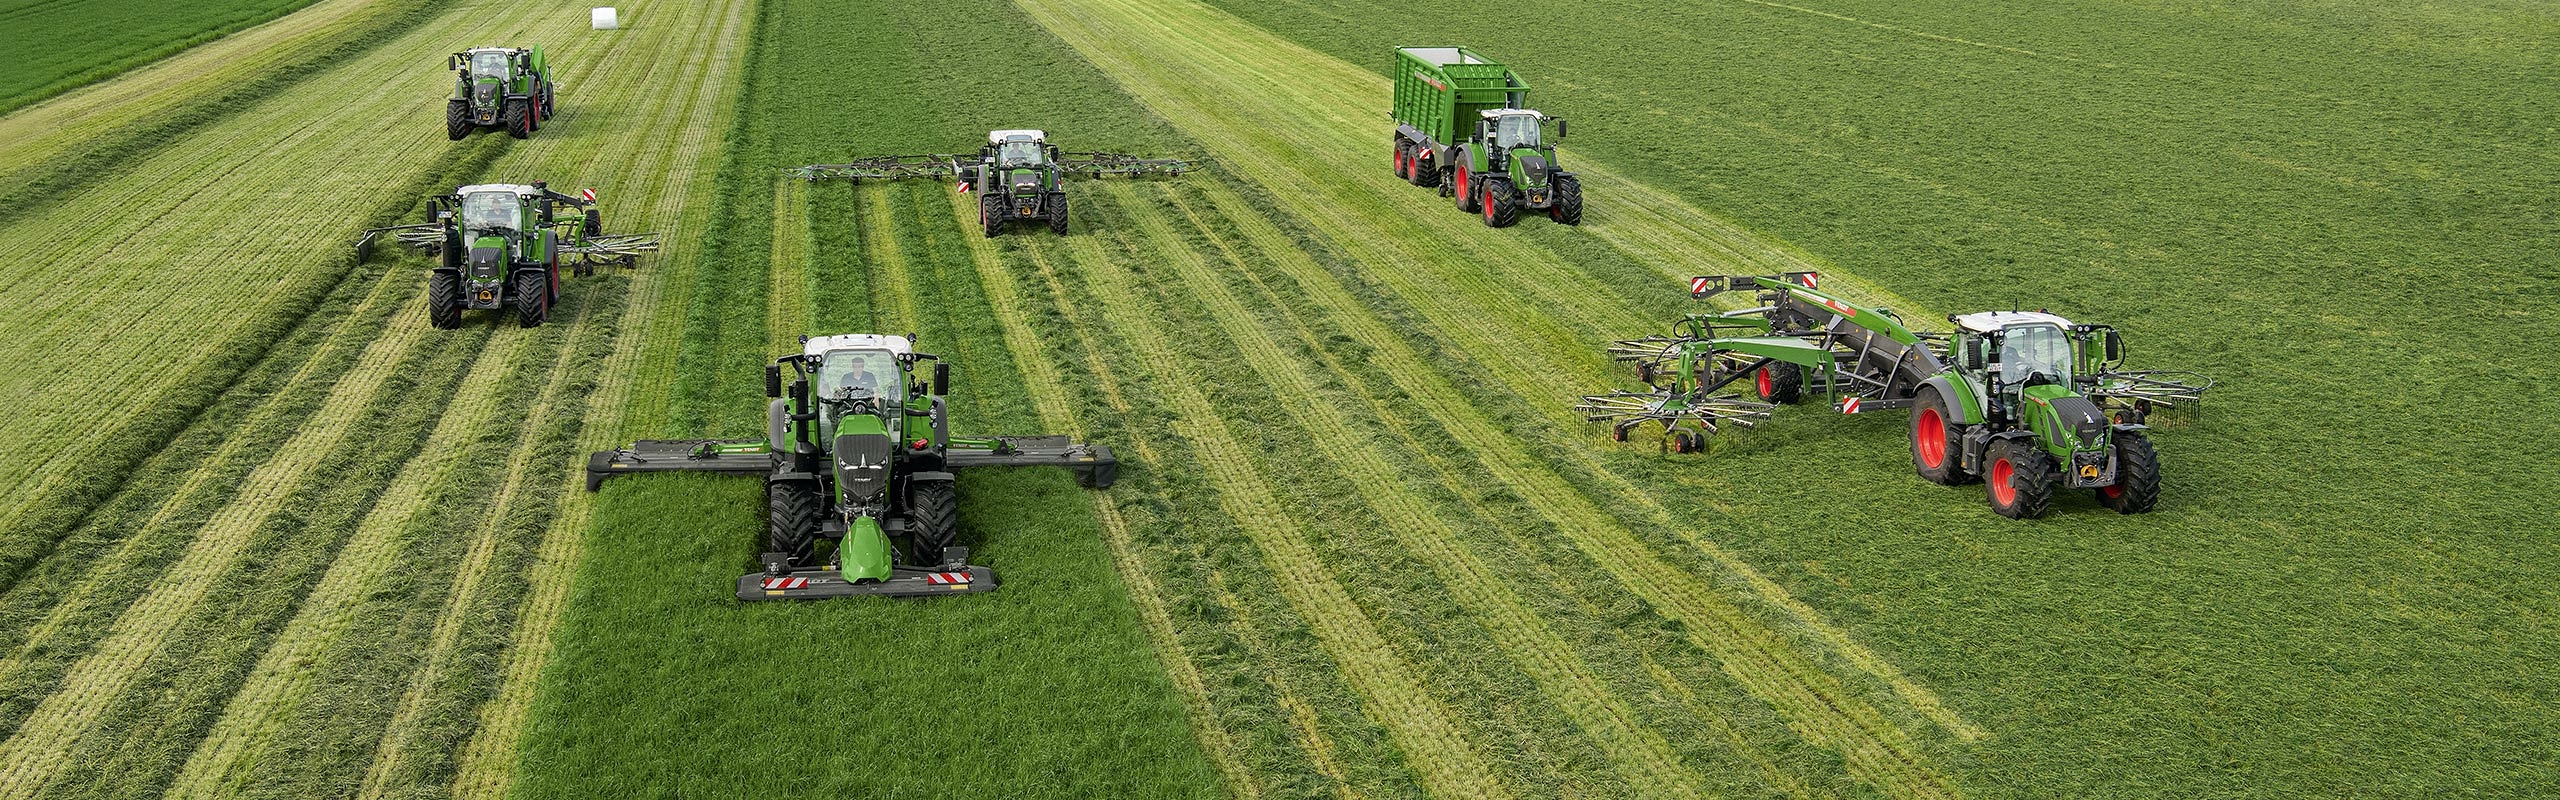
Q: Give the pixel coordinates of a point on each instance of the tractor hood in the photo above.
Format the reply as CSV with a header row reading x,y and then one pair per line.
x,y
1532,168
488,258
484,98
862,452
1023,181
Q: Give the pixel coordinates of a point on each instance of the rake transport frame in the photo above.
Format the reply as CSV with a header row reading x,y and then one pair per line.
x,y
2028,400
861,460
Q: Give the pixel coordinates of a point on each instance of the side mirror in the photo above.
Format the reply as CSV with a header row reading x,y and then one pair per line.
x,y
1559,128
449,63
2115,346
773,380
941,379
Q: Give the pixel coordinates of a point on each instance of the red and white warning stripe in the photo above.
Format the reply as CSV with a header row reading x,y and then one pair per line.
x,y
1698,285
778,584
945,578
1849,405
1812,280
589,194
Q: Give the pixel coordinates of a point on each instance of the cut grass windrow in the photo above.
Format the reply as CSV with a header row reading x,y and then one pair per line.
x,y
1421,728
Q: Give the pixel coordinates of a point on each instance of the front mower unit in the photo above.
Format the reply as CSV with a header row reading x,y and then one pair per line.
x,y
1018,176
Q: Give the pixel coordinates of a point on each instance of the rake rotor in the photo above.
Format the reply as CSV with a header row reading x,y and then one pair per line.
x,y
1096,165
619,249
1628,410
886,168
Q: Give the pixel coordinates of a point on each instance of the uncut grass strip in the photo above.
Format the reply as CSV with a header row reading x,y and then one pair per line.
x,y
135,705
891,310
636,374
1642,756
1421,727
200,206
840,266
1824,715
787,314
1431,758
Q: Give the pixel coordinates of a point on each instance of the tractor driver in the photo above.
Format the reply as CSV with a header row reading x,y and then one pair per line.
x,y
851,371
2037,354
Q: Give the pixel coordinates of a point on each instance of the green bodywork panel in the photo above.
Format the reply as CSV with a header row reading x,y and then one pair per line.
x,y
864,553
1874,319
1442,91
1790,349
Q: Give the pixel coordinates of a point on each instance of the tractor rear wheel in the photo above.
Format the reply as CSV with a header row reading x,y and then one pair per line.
x,y
2021,479
1058,213
1464,184
444,300
1780,382
2137,486
514,118
991,213
1935,442
1568,206
933,514
533,298
1501,208
457,119
791,520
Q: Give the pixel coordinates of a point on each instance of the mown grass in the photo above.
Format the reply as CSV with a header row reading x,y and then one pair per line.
x,y
2294,620
65,45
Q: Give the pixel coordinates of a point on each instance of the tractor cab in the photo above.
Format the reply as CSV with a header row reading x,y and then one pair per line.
x,y
859,374
2014,355
1518,144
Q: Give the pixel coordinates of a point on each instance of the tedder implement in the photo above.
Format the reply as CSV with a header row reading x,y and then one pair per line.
x,y
1018,175
858,464
2028,402
1463,125
501,245
498,87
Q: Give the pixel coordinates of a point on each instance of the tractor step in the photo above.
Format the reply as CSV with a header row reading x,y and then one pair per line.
x,y
820,584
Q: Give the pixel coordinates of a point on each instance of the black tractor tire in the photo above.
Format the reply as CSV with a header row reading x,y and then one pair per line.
x,y
1463,182
1931,423
533,298
2020,479
1424,174
1779,382
933,519
549,110
1568,205
1057,208
1501,205
2137,486
991,212
595,223
457,119
514,119
792,511
444,300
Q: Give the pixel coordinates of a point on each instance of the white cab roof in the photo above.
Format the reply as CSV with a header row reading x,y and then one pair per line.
x,y
517,188
819,345
1987,321
999,137
1498,113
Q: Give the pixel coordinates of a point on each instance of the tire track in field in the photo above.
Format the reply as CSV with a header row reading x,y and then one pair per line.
x,y
1448,766
1182,85
666,178
273,688
1819,708
1643,757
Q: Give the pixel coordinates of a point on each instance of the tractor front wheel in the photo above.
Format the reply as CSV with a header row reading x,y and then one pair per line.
x,y
514,117
533,298
933,511
1780,382
1058,213
991,213
2137,486
1501,207
457,119
1568,205
444,300
1935,441
791,519
2021,479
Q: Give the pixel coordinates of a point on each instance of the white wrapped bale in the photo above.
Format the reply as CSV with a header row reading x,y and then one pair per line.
x,y
604,19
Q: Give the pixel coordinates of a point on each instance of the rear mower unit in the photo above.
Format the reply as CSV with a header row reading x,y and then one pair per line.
x,y
1018,175
858,463
502,245
498,87
2028,402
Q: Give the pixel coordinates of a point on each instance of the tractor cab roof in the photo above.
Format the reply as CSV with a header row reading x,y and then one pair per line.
x,y
1016,134
1988,321
505,50
520,190
1498,113
819,345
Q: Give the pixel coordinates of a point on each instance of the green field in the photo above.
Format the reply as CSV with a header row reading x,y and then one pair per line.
x,y
58,46
267,534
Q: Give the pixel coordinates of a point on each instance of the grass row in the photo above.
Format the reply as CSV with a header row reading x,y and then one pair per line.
x,y
71,44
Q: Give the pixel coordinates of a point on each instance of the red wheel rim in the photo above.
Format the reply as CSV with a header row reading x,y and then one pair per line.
x,y
1488,203
1929,437
1462,177
2001,491
1766,389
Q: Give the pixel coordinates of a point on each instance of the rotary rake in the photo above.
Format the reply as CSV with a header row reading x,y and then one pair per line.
x,y
1018,175
954,166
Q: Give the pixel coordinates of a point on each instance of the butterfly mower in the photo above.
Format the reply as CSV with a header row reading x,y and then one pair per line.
x,y
1018,175
501,245
2028,402
858,462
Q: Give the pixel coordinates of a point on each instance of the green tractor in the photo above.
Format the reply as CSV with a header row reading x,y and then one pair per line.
x,y
502,245
1462,125
498,87
858,463
1018,175
2028,402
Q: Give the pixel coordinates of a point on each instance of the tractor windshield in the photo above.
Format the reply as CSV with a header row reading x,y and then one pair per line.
x,y
2034,354
862,373
1014,155
1515,130
489,65
488,211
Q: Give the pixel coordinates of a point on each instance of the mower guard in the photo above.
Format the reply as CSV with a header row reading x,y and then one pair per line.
x,y
820,584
